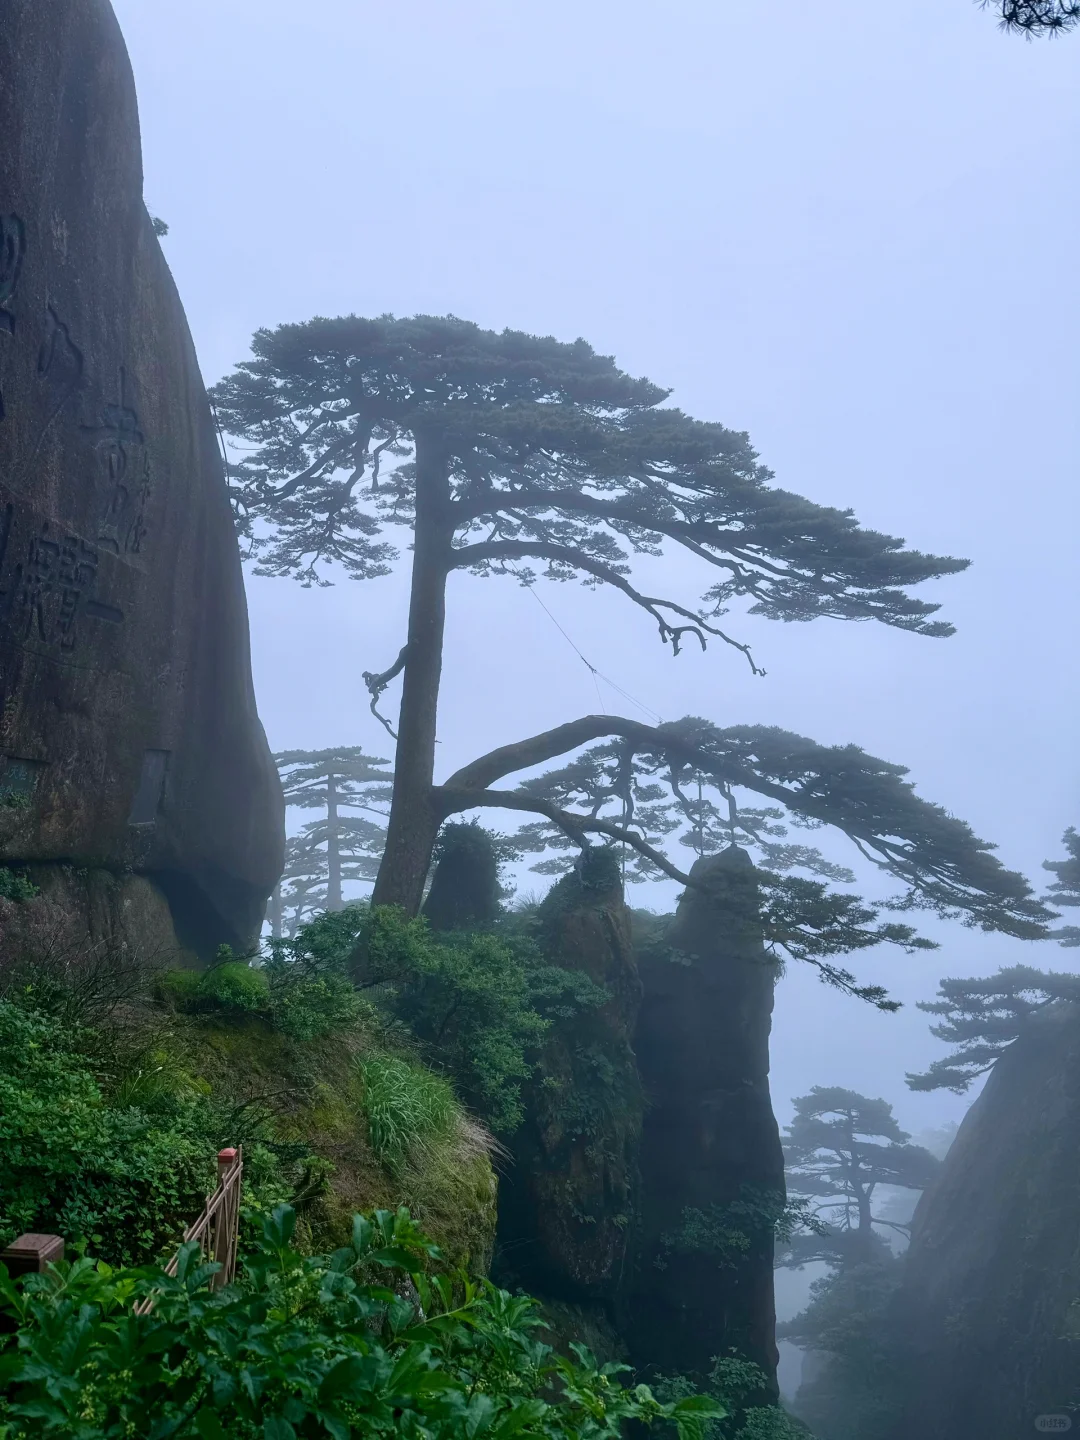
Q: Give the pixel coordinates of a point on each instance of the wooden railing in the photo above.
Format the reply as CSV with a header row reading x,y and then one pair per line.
x,y
217,1229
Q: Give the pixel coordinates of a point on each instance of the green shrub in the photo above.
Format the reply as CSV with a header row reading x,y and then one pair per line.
x,y
15,887
730,1232
732,1381
179,987
307,1004
235,985
479,1002
303,1348
405,1106
125,1177
304,1000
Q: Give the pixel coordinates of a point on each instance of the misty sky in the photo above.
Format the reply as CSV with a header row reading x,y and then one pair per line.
x,y
849,230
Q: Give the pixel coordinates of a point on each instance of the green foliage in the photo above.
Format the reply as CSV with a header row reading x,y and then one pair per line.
x,y
181,988
235,985
551,454
304,995
857,1395
1036,17
478,1003
16,887
728,1233
733,1381
981,1018
691,782
406,1107
465,892
125,1175
304,1347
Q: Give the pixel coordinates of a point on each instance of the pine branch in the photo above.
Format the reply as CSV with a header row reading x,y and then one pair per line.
x,y
469,556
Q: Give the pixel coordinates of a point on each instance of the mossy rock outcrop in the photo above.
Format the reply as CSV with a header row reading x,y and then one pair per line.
x,y
566,1201
313,1095
711,1161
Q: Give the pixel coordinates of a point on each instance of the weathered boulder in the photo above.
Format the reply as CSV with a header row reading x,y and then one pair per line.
x,y
129,737
986,1323
712,1168
566,1201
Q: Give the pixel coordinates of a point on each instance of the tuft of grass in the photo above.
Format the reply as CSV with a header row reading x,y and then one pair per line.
x,y
407,1108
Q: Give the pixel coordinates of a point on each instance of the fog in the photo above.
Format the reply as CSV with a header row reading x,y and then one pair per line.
x,y
845,231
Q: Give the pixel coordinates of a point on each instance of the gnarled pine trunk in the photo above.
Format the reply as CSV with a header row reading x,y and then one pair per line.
x,y
414,817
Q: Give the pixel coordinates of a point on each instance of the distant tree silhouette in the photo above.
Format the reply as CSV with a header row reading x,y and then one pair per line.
x,y
839,1149
1065,890
337,848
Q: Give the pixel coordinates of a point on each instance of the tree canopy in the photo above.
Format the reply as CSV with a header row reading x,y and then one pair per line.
x,y
839,1149
510,454
982,1017
642,790
1035,17
552,455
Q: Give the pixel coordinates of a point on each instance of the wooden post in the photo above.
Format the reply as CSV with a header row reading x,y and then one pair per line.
x,y
227,1218
32,1254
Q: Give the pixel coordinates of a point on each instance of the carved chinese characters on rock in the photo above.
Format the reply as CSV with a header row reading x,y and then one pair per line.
x,y
48,581
121,448
12,250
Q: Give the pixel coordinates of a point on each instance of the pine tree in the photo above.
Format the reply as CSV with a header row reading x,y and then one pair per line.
x,y
982,1017
337,848
690,788
839,1149
1035,17
502,454
1065,890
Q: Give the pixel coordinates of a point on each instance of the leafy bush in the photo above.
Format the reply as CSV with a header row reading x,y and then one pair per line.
x,y
180,987
124,1176
480,1002
304,1347
15,887
234,985
732,1231
406,1107
308,1002
732,1381
305,997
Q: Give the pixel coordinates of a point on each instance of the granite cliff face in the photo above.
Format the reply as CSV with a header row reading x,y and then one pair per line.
x,y
987,1320
711,1161
129,737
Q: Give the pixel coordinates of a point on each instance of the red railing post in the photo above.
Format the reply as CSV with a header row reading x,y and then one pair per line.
x,y
217,1229
227,1219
